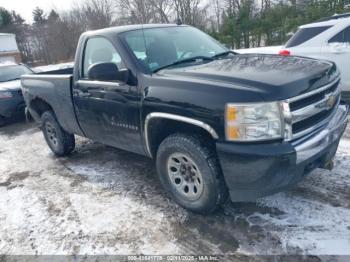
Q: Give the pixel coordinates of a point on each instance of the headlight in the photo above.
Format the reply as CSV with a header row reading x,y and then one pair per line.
x,y
253,122
5,94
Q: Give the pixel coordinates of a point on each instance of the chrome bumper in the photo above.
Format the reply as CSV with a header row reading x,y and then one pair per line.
x,y
322,140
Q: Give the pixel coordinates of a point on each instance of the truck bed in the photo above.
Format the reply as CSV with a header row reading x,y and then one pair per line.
x,y
53,88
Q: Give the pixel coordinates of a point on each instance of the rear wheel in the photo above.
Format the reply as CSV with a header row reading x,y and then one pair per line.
x,y
60,142
191,173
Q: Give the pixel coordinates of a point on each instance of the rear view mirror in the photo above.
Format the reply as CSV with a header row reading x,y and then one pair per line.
x,y
105,72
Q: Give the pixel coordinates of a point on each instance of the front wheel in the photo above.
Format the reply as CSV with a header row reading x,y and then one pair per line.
x,y
60,142
191,173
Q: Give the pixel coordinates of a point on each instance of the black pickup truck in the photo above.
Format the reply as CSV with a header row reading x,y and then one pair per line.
x,y
218,124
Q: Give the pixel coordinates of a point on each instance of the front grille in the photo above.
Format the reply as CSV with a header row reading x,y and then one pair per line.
x,y
298,104
312,110
310,122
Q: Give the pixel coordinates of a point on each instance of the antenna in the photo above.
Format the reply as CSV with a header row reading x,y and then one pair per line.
x,y
145,43
178,20
143,12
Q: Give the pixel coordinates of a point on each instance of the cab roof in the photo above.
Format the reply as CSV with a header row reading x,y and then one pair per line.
x,y
127,28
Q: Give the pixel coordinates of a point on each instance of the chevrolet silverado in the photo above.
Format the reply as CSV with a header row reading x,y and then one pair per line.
x,y
216,123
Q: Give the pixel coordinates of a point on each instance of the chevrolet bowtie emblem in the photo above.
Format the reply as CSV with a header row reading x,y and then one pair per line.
x,y
331,101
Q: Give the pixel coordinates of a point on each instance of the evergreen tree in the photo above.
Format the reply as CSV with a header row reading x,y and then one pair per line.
x,y
53,16
5,18
39,16
17,18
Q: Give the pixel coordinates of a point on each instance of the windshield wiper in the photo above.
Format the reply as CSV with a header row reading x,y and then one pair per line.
x,y
224,54
183,61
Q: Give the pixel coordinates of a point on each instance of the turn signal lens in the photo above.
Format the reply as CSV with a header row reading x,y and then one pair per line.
x,y
231,114
233,132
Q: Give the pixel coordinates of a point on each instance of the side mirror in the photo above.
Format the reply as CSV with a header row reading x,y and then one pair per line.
x,y
104,72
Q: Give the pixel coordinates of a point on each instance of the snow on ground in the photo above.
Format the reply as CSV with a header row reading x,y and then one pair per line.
x,y
315,216
7,63
46,211
102,200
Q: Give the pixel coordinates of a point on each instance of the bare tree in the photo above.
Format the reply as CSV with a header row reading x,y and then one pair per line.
x,y
192,12
163,9
95,14
54,36
216,6
144,11
133,11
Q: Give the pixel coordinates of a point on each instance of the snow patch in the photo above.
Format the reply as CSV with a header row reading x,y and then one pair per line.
x,y
307,224
54,67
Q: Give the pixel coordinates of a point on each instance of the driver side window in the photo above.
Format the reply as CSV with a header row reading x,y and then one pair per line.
x,y
100,50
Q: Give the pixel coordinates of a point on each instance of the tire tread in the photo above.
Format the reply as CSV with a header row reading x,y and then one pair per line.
x,y
68,140
207,152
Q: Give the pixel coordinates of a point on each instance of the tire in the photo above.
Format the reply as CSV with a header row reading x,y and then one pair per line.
x,y
191,173
60,142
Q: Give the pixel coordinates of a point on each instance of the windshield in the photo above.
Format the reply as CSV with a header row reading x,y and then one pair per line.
x,y
13,72
158,47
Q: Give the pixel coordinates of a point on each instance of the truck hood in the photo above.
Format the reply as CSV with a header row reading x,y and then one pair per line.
x,y
10,85
272,77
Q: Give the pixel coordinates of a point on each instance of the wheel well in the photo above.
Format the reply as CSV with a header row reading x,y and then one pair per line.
x,y
160,128
40,106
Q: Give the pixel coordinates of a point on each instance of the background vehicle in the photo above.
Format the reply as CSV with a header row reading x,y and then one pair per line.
x,y
327,39
8,49
215,122
11,98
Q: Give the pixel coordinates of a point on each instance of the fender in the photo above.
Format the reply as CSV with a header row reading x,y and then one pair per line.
x,y
188,120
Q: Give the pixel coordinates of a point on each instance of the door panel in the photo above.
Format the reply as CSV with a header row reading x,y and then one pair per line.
x,y
337,50
107,111
341,56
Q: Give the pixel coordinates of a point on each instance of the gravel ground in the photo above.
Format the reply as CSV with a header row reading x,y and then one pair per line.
x,y
102,200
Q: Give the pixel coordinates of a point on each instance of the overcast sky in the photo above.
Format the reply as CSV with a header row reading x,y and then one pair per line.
x,y
25,7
